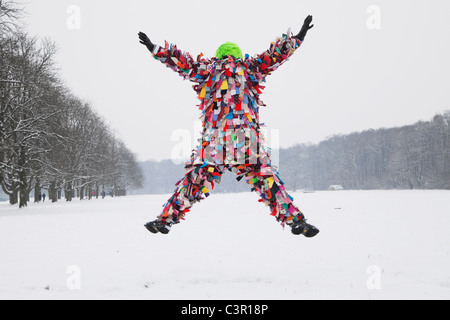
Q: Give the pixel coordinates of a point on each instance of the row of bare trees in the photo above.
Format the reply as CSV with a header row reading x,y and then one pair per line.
x,y
409,157
50,139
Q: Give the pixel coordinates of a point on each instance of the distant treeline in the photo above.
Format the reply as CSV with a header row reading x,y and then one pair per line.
x,y
50,139
410,157
160,178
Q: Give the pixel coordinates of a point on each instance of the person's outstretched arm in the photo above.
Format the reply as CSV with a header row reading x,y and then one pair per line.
x,y
280,51
175,59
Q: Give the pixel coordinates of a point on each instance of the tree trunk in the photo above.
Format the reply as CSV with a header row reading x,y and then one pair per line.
x,y
23,197
89,191
69,191
23,183
52,192
37,191
23,190
82,189
13,198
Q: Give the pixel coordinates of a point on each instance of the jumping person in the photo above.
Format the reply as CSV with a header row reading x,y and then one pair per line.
x,y
229,88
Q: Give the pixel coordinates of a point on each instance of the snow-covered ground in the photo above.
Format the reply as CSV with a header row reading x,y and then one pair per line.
x,y
373,245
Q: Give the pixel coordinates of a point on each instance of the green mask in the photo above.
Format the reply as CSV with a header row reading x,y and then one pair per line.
x,y
229,49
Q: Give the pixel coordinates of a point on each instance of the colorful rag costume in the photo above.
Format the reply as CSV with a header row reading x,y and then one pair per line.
x,y
229,90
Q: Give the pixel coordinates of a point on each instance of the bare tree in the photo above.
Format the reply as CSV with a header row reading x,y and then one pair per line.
x,y
10,14
50,139
28,74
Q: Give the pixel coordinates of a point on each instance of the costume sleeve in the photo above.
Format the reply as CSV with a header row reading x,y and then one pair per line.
x,y
280,51
181,62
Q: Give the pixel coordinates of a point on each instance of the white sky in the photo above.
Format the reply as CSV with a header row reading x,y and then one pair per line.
x,y
345,78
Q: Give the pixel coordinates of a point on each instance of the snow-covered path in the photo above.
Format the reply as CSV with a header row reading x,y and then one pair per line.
x,y
373,245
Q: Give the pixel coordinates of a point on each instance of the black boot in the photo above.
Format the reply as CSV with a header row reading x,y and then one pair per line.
x,y
301,227
157,227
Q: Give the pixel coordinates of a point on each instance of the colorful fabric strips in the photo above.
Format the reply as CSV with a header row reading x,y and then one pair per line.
x,y
229,92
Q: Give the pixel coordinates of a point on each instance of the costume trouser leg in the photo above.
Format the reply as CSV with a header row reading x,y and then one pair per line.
x,y
266,181
193,188
201,178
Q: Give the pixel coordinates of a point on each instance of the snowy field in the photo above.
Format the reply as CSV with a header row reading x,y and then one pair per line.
x,y
373,245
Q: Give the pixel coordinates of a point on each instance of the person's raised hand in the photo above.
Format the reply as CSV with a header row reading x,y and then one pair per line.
x,y
306,27
146,41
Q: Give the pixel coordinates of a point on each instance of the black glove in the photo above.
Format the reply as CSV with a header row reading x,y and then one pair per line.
x,y
146,41
306,27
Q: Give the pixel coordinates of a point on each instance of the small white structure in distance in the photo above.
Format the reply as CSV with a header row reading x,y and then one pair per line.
x,y
336,187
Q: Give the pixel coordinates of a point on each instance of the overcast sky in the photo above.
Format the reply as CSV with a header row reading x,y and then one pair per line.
x,y
366,64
